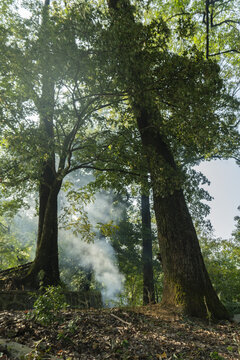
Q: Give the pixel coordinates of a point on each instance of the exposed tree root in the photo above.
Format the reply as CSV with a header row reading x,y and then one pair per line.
x,y
13,278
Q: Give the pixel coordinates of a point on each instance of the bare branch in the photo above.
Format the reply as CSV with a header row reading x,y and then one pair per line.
x,y
225,52
225,22
219,157
101,94
178,14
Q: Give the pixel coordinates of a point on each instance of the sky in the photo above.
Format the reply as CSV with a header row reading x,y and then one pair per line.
x,y
224,176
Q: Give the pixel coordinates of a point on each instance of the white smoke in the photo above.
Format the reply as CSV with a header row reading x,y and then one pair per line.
x,y
98,256
101,209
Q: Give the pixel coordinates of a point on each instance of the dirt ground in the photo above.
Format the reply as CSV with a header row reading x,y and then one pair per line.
x,y
142,333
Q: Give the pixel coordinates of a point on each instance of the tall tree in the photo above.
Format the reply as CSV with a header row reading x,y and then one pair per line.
x,y
186,281
49,115
46,259
148,281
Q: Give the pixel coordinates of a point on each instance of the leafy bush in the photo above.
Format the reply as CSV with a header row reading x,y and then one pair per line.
x,y
48,305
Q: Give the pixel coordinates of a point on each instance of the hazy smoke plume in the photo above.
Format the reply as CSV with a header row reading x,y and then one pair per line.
x,y
98,256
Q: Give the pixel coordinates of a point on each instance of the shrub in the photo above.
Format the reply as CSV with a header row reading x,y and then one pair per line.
x,y
48,305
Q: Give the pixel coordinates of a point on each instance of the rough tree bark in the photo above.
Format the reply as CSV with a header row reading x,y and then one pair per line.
x,y
45,268
186,282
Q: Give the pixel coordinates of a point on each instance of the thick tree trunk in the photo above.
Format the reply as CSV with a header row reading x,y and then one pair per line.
x,y
186,281
45,268
47,180
148,283
47,248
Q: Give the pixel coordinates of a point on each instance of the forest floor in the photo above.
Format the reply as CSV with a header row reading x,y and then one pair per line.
x,y
142,333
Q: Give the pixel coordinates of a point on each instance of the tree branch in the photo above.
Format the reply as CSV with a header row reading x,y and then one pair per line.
x,y
225,22
178,14
92,167
225,52
101,94
218,157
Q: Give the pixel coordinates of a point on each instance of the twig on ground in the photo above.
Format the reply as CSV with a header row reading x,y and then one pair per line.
x,y
125,322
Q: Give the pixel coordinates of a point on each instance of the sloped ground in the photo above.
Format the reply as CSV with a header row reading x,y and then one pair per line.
x,y
137,334
9,277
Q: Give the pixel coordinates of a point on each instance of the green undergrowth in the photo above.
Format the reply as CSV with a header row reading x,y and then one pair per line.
x,y
48,306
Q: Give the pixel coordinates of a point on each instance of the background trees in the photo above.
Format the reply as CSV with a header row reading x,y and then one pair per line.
x,y
14,251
